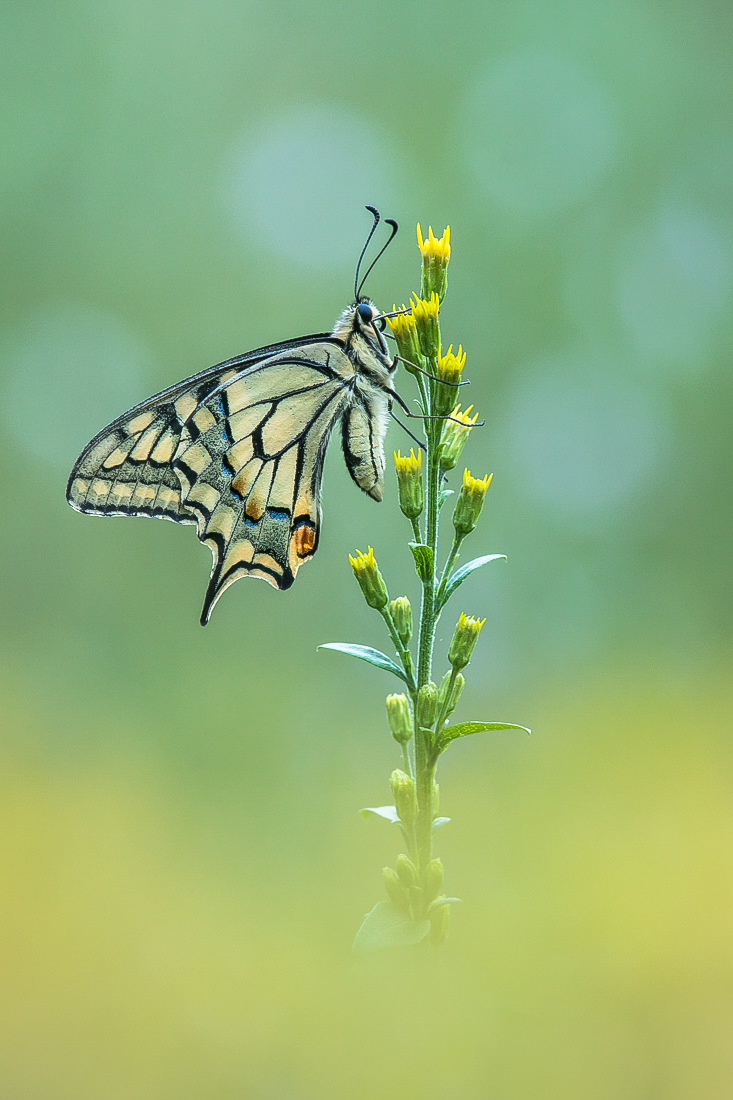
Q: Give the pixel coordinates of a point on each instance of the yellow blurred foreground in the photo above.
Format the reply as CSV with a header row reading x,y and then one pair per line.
x,y
154,946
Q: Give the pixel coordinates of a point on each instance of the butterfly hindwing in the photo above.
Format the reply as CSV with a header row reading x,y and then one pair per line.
x,y
250,462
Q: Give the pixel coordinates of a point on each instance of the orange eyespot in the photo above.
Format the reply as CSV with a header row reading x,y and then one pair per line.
x,y
305,540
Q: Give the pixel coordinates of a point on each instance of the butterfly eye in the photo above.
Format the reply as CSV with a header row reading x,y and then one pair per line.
x,y
365,313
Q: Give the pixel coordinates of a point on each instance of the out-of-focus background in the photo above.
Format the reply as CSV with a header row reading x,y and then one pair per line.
x,y
182,864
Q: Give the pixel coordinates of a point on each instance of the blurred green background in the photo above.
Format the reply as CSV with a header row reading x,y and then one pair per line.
x,y
182,866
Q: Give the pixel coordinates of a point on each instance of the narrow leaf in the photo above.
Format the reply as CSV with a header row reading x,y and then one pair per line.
x,y
438,822
388,812
423,556
386,925
366,653
442,901
460,575
444,494
464,729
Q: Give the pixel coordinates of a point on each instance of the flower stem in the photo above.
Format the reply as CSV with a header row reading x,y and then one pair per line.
x,y
425,762
447,569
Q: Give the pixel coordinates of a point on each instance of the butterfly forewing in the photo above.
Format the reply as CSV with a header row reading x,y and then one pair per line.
x,y
249,464
127,469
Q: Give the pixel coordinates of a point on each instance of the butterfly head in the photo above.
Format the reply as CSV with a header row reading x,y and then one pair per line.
x,y
360,326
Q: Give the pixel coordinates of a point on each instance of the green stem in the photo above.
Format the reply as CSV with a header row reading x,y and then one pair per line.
x,y
424,756
403,652
450,562
428,618
444,712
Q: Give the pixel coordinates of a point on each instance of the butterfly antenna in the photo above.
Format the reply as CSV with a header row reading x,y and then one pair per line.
x,y
391,222
373,210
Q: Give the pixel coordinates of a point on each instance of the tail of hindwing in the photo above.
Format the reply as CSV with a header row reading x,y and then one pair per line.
x,y
257,511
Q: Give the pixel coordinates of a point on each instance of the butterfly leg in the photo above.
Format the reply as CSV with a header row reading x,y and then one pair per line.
x,y
408,362
405,428
429,416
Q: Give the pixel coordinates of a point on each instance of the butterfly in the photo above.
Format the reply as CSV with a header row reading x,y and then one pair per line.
x,y
238,449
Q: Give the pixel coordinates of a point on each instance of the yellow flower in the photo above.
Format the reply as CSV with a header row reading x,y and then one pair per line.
x,y
370,579
434,247
470,502
409,482
435,256
449,370
408,464
405,333
450,366
455,435
464,640
425,311
476,484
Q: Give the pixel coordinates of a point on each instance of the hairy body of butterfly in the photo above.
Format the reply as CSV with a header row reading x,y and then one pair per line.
x,y
239,449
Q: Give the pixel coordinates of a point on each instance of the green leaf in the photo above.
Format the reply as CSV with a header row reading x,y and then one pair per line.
x,y
366,653
441,901
444,494
423,556
387,812
464,729
439,822
386,925
457,579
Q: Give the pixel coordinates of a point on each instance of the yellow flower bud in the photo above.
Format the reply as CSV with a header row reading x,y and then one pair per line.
x,y
454,436
448,697
439,922
400,719
464,640
369,578
404,331
409,482
427,700
433,879
398,893
425,312
406,871
470,502
401,613
405,798
435,256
